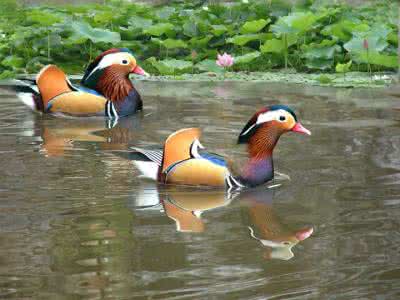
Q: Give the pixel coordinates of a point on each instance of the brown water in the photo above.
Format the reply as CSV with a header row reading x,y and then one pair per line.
x,y
77,223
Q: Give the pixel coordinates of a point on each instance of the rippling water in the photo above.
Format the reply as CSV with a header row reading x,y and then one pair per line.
x,y
76,221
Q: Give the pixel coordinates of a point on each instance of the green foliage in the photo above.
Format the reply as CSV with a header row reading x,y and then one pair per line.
x,y
254,26
343,68
83,32
209,65
244,59
183,37
170,66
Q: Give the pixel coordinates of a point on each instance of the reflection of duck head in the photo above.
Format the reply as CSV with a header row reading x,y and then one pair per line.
x,y
184,206
60,136
266,227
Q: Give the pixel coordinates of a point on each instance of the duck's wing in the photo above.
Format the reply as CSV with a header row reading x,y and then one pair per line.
x,y
153,155
52,82
179,146
184,164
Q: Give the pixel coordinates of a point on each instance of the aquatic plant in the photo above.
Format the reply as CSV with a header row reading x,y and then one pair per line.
x,y
225,60
310,36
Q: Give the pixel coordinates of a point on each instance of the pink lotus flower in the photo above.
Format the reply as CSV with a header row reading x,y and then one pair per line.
x,y
225,60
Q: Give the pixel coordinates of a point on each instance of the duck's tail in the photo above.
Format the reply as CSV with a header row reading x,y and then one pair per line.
x,y
28,92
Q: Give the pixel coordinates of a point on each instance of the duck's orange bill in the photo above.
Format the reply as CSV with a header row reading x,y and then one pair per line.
x,y
138,70
301,129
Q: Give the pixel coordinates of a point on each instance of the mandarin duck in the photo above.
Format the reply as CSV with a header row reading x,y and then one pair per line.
x,y
183,160
105,88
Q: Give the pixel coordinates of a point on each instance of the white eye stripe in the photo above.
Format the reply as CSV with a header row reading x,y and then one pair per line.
x,y
271,116
110,59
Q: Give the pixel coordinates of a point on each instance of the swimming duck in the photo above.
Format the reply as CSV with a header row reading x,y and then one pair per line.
x,y
105,88
182,160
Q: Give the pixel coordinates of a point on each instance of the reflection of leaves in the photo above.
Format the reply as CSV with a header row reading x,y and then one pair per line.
x,y
254,26
83,32
242,40
244,59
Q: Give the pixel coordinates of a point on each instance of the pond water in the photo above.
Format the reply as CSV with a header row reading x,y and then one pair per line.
x,y
76,222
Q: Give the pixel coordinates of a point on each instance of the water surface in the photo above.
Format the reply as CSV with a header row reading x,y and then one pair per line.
x,y
76,222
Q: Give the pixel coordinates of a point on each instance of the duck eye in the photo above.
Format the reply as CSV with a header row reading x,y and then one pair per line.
x,y
124,62
282,118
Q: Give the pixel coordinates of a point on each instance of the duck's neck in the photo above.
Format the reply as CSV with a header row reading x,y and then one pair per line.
x,y
114,86
257,171
259,167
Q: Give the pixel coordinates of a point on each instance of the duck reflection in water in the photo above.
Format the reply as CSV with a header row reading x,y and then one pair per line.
x,y
186,207
63,135
267,227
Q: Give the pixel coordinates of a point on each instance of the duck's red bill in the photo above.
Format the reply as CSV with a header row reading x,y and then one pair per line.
x,y
138,70
301,129
305,233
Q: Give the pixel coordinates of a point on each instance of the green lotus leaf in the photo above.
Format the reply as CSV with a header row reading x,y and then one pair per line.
x,y
159,29
43,18
254,26
243,39
246,58
218,30
343,68
13,61
272,46
170,66
209,65
83,31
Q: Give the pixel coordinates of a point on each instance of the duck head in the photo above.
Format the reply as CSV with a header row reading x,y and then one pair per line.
x,y
263,130
109,73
